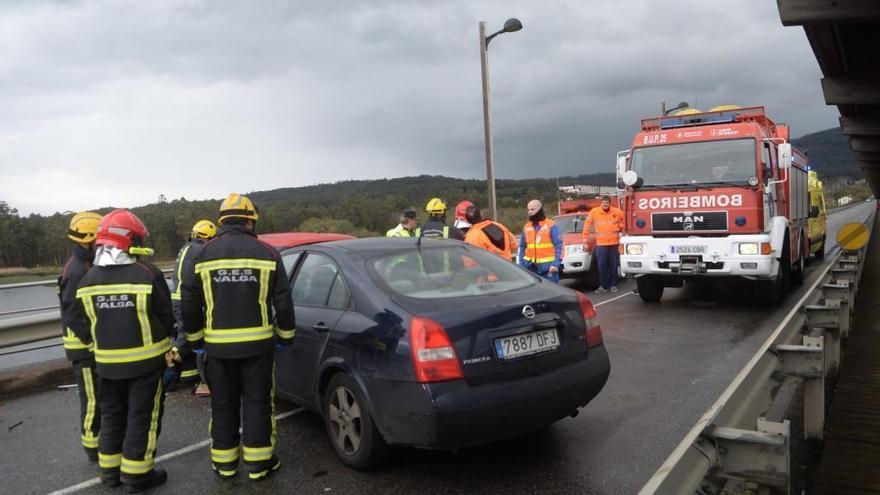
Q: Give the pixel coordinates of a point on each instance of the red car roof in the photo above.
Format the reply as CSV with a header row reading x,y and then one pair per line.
x,y
284,240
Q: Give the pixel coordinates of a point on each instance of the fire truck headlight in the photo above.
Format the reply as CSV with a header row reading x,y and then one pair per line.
x,y
749,248
635,249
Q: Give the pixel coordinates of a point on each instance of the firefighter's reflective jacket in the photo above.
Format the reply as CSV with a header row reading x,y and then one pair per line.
x,y
128,316
185,260
74,270
229,295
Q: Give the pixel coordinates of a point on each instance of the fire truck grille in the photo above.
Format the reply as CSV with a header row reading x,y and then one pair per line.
x,y
690,221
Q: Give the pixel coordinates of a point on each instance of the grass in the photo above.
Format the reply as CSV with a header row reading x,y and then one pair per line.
x,y
18,275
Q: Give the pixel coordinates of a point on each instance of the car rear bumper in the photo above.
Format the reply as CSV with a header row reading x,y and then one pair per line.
x,y
454,414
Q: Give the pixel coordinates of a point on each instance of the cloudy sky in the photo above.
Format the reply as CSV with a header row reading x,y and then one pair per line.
x,y
116,102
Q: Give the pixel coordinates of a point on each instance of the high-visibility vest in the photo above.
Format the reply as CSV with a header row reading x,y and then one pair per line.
x,y
539,246
401,231
607,224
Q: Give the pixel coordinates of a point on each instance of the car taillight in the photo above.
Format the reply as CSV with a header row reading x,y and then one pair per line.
x,y
433,356
593,330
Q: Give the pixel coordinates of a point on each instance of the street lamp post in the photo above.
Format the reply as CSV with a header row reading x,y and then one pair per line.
x,y
511,25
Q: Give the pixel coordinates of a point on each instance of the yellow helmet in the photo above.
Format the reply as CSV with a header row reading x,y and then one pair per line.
x,y
83,227
238,206
436,206
203,229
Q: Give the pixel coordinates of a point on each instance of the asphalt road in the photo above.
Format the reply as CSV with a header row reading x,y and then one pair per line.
x,y
670,361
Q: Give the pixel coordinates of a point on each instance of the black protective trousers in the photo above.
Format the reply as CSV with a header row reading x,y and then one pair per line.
x,y
242,394
131,420
89,411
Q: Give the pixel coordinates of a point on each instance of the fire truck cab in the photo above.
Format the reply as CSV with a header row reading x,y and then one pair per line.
x,y
714,194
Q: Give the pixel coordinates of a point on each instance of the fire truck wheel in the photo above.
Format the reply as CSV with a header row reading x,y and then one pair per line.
x,y
799,272
820,254
650,288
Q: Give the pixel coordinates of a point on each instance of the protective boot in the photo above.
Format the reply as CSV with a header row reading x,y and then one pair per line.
x,y
110,477
158,477
274,465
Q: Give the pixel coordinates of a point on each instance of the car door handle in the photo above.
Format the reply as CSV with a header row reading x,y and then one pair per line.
x,y
321,327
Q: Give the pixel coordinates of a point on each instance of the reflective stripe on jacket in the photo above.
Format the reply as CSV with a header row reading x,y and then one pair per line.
x,y
127,312
491,236
74,270
541,245
607,224
236,296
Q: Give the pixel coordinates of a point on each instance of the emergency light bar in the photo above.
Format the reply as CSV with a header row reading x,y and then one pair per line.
x,y
746,114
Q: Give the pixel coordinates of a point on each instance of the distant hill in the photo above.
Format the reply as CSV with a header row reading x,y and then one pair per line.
x,y
829,152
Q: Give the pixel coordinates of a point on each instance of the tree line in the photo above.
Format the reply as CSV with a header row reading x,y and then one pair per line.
x,y
360,208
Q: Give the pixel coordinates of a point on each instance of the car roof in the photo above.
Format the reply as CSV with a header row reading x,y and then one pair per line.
x,y
574,213
368,247
284,240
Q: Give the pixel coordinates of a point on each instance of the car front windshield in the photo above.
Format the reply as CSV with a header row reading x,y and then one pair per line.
x,y
710,162
448,271
570,223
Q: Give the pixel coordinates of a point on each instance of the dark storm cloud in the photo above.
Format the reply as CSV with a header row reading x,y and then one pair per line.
x,y
115,103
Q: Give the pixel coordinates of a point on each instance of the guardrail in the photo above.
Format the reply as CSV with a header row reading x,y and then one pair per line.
x,y
742,444
26,327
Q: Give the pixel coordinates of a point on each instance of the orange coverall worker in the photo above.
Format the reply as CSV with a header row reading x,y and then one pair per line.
x,y
492,236
607,225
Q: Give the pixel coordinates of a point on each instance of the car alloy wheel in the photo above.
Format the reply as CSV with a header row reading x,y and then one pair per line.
x,y
344,414
350,426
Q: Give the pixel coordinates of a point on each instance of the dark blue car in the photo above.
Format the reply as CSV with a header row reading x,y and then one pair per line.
x,y
432,344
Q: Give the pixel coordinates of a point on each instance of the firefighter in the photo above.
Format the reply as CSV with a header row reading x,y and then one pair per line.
x,y
189,363
540,245
488,234
81,231
607,222
461,221
228,298
124,304
436,224
407,226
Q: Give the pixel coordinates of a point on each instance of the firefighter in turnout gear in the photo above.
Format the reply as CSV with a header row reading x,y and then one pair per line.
x,y
124,308
83,227
436,224
186,359
228,299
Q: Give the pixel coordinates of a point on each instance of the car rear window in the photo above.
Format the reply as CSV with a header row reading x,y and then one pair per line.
x,y
446,272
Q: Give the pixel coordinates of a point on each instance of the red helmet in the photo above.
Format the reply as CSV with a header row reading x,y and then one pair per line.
x,y
460,209
122,229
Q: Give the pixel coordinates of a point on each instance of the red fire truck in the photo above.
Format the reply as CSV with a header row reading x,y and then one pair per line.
x,y
714,194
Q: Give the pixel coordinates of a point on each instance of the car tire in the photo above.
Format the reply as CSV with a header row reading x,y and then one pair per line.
x,y
350,426
650,288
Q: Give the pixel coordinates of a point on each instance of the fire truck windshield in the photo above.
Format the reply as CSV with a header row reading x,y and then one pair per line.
x,y
707,162
570,223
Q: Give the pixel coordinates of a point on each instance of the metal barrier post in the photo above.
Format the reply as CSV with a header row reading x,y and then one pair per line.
x,y
807,361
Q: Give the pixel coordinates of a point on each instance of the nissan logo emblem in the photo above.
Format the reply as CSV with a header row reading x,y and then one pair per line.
x,y
528,311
